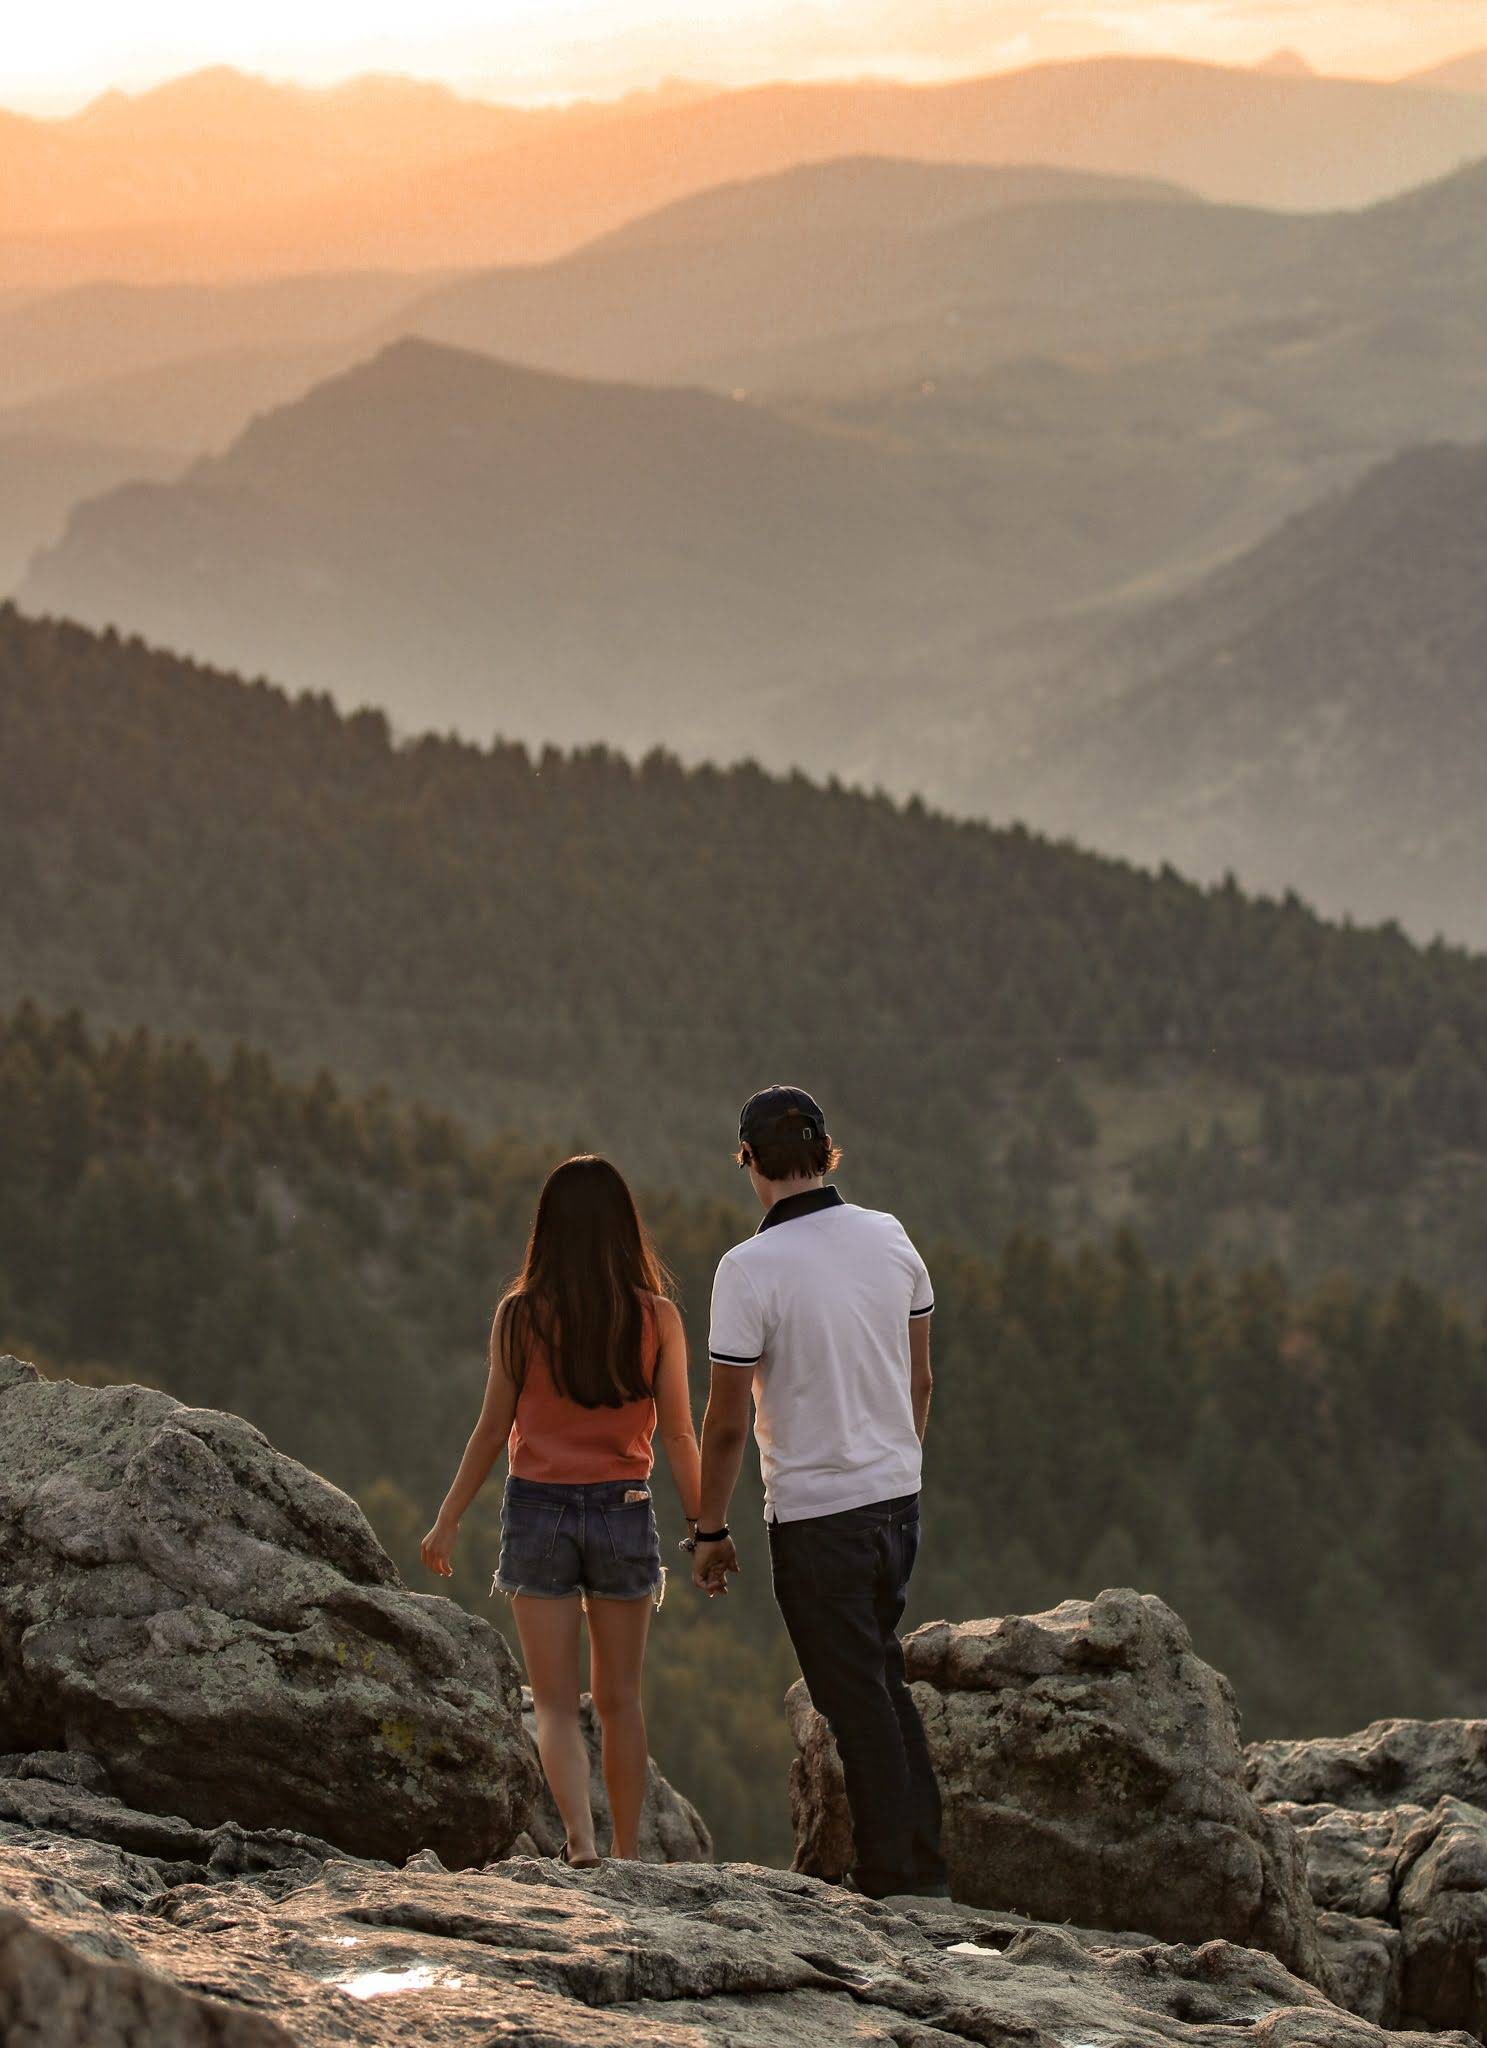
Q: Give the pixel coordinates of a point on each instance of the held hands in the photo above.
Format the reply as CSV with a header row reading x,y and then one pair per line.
x,y
711,1565
437,1548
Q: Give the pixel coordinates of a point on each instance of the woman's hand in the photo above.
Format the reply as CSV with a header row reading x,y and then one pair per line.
x,y
711,1564
437,1548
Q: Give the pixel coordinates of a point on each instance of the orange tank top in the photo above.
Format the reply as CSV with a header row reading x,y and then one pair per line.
x,y
559,1440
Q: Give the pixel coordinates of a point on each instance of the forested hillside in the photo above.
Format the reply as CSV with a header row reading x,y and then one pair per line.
x,y
1304,1477
1005,1031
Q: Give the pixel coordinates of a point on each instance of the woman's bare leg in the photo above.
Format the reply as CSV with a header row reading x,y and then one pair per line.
x,y
617,1638
550,1645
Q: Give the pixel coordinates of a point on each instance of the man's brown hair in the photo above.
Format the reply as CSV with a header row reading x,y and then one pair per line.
x,y
789,1159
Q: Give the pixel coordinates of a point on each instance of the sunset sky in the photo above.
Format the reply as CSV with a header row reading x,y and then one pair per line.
x,y
58,55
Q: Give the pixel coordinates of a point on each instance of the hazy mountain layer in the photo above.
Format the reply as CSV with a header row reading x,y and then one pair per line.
x,y
42,476
214,141
543,185
56,341
1313,715
470,544
1467,73
1196,375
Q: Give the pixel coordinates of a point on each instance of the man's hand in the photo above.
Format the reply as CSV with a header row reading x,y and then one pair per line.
x,y
711,1564
437,1548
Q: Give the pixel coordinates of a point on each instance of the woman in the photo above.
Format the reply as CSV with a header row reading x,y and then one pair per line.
x,y
587,1353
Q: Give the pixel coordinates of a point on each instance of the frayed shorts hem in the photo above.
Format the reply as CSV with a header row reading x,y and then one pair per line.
x,y
655,1593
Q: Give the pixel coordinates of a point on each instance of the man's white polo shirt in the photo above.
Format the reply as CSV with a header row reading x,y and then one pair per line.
x,y
817,1305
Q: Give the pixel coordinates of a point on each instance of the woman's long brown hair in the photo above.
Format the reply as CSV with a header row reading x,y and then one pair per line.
x,y
581,1293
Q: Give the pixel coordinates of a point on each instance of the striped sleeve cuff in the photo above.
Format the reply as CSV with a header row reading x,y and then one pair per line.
x,y
927,1310
729,1358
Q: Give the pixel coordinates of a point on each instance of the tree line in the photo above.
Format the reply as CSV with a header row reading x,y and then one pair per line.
x,y
613,953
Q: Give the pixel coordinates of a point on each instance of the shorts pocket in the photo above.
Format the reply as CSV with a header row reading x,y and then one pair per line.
x,y
529,1531
632,1532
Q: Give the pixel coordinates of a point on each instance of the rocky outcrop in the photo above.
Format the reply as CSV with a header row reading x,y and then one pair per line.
x,y
1389,1763
1091,1770
221,1628
1404,1893
671,1828
628,1956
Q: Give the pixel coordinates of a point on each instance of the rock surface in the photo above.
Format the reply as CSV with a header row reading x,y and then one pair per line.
x,y
1404,1893
1366,1958
628,1956
1091,1770
222,1629
671,1828
1389,1763
51,1992
1442,1913
1352,1858
69,1794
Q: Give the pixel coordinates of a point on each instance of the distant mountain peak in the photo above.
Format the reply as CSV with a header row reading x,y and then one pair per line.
x,y
1286,63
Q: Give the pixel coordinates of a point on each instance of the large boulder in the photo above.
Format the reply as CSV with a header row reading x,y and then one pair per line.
x,y
679,1956
1091,1770
221,1628
1389,1763
671,1828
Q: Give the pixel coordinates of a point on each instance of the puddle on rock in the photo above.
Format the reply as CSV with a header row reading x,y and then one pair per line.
x,y
386,1983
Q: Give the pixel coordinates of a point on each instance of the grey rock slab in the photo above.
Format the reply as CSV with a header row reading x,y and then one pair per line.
x,y
671,1828
1367,1962
1388,1763
1091,1771
1352,1857
187,1852
1442,1912
684,1956
53,1995
221,1628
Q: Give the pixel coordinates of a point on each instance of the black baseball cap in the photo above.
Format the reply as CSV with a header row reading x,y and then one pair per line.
x,y
777,1114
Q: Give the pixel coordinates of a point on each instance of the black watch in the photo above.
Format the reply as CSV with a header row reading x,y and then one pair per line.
x,y
712,1535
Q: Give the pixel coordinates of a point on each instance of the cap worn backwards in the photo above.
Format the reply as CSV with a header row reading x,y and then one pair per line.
x,y
779,1113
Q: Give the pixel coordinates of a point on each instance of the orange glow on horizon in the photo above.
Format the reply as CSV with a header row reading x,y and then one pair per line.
x,y
60,56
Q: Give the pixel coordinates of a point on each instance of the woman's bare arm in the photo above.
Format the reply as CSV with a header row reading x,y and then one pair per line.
x,y
487,1441
674,1412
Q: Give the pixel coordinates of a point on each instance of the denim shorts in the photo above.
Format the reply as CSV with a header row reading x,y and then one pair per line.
x,y
600,1539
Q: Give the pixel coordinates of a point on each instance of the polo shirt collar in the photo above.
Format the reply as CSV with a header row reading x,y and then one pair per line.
x,y
788,1207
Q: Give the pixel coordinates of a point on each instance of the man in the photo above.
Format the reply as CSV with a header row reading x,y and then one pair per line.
x,y
823,1315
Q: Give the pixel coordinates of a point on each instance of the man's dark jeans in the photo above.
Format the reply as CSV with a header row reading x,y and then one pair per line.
x,y
841,1582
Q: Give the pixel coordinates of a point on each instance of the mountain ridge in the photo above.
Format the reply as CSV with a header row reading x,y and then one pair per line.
x,y
1234,134
516,536
1312,711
